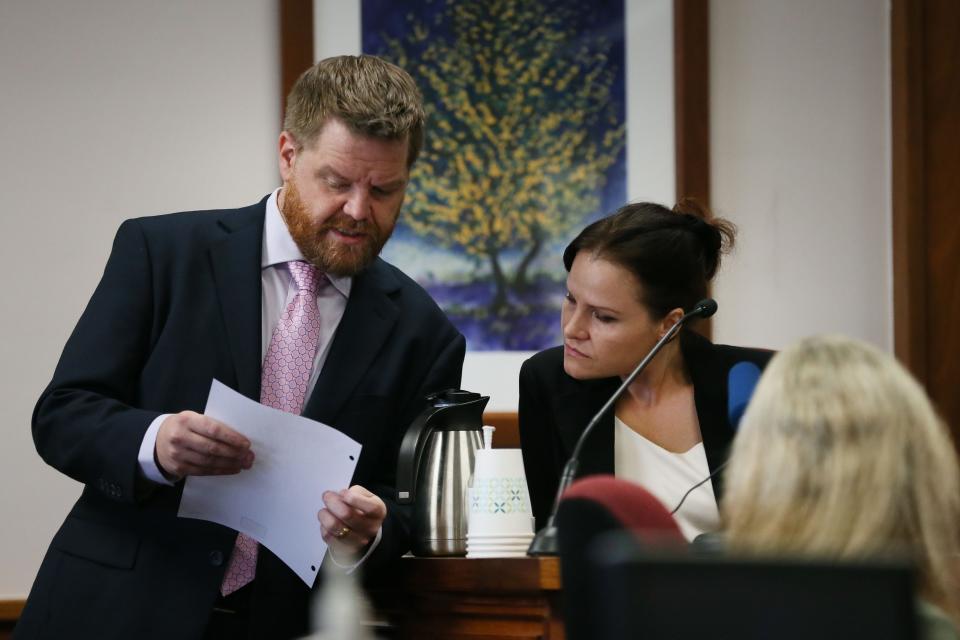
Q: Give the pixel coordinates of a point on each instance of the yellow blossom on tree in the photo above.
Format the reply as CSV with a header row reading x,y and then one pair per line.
x,y
521,132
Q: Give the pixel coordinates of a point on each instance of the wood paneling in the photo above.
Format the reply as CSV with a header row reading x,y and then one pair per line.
x,y
691,96
909,237
296,43
473,598
941,107
9,614
691,78
507,435
925,75
10,610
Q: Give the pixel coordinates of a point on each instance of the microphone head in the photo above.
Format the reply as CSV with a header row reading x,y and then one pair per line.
x,y
705,308
741,382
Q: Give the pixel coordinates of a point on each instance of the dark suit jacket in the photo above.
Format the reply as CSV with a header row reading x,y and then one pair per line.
x,y
178,305
554,410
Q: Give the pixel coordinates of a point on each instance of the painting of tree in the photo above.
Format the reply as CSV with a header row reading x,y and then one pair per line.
x,y
525,131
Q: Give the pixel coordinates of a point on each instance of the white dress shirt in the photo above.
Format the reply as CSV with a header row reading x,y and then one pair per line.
x,y
278,290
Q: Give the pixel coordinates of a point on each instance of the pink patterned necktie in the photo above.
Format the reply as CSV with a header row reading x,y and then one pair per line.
x,y
283,385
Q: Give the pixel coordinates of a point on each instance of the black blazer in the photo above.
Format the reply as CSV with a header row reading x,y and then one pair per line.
x,y
178,305
554,410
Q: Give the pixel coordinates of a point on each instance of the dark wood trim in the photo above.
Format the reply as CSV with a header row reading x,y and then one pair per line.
x,y
691,77
507,435
10,610
691,105
909,224
925,136
296,43
488,575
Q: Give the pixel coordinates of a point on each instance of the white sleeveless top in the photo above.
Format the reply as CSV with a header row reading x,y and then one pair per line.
x,y
668,476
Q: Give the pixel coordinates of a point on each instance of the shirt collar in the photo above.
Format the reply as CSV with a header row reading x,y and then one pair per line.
x,y
279,247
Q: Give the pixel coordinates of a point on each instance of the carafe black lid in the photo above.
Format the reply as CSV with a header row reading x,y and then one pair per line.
x,y
454,396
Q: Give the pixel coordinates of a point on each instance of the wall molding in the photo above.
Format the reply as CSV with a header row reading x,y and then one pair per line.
x,y
691,106
925,138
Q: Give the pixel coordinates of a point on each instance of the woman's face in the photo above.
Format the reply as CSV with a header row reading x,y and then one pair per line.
x,y
606,329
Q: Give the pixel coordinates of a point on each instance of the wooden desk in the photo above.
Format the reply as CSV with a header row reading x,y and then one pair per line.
x,y
466,598
455,598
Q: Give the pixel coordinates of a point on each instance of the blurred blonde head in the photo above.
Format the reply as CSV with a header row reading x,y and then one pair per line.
x,y
841,455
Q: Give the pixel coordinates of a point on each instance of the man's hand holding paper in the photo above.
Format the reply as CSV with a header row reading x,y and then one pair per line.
x,y
351,520
278,500
192,444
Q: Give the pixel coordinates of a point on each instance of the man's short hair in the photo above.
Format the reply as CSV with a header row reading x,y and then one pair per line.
x,y
368,94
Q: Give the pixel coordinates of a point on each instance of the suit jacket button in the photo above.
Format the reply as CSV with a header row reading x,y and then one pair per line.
x,y
216,558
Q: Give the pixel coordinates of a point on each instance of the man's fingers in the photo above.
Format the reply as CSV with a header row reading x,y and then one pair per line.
x,y
203,446
192,444
340,535
364,525
364,501
211,465
191,464
361,490
339,508
216,430
329,521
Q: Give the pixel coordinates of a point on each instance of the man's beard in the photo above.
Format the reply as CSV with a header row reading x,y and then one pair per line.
x,y
323,251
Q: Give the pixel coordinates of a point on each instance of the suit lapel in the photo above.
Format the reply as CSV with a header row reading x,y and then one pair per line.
x,y
367,322
236,270
575,408
710,397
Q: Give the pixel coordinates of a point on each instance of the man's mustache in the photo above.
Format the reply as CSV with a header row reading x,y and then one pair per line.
x,y
343,222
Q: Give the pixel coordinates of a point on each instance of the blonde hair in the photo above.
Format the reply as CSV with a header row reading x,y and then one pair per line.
x,y
368,94
841,455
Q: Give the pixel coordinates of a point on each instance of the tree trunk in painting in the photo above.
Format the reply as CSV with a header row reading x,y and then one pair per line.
x,y
520,281
499,301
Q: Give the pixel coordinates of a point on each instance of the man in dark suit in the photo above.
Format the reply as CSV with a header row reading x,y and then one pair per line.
x,y
285,301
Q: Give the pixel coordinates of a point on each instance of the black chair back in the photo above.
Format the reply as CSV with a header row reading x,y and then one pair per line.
x,y
717,597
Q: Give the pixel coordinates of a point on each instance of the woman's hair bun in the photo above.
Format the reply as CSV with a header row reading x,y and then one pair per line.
x,y
716,235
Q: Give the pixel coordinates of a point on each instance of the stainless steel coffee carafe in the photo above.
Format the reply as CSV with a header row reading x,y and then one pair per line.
x,y
434,468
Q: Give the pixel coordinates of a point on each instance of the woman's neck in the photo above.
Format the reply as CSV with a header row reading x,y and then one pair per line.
x,y
664,375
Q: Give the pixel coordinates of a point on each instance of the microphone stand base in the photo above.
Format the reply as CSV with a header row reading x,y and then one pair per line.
x,y
545,543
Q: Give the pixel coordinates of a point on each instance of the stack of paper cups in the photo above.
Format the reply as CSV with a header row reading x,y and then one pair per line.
x,y
500,522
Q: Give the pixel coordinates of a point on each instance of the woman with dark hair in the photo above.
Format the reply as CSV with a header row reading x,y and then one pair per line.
x,y
632,275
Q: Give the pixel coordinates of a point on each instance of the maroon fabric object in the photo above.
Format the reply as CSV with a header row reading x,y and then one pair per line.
x,y
594,510
635,507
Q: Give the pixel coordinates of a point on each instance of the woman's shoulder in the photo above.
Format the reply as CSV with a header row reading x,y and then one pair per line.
x,y
734,354
547,359
699,349
544,367
544,372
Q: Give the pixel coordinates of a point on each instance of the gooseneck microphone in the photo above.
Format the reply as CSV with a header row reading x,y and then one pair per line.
x,y
545,543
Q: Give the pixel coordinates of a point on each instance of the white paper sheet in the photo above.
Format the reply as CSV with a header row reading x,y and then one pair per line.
x,y
275,501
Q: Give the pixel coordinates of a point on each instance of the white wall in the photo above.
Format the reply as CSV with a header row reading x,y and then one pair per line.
x,y
800,137
110,109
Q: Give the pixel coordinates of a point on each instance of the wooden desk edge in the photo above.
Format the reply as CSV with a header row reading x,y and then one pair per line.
x,y
480,575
